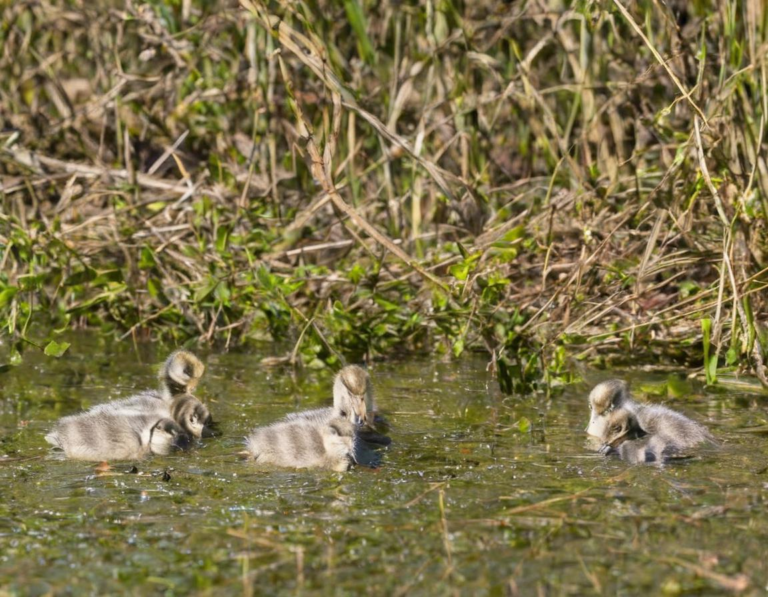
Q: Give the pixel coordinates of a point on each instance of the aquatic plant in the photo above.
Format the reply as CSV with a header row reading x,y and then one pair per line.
x,y
536,181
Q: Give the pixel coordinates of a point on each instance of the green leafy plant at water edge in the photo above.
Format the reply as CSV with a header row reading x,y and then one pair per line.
x,y
359,180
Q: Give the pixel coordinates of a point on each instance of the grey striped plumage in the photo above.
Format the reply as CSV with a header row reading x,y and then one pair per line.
x,y
651,433
104,436
151,422
313,441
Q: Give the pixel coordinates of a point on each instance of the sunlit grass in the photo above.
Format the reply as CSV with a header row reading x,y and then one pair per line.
x,y
365,178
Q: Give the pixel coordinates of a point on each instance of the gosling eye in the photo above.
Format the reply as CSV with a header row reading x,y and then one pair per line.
x,y
344,414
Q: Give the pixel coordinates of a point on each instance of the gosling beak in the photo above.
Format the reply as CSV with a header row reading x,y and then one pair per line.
x,y
182,441
210,429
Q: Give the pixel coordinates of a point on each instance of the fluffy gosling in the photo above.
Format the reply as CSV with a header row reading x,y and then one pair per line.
x,y
305,442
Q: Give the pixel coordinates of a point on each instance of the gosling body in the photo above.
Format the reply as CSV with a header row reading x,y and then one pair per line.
x,y
613,396
311,441
152,422
103,436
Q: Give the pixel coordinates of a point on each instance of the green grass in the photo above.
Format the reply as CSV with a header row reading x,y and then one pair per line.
x,y
543,183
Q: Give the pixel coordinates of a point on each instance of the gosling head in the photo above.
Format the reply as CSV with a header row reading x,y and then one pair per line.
x,y
353,393
620,426
192,415
604,399
180,373
340,441
166,436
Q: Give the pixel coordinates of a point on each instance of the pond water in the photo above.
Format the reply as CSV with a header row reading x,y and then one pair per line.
x,y
478,494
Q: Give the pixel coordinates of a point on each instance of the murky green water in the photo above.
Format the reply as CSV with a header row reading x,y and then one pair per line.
x,y
465,501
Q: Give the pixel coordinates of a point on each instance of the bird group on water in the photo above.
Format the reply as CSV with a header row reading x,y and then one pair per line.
x,y
339,436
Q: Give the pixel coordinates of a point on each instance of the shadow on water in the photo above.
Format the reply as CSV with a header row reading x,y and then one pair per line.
x,y
478,494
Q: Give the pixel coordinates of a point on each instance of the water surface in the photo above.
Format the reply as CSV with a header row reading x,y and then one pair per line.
x,y
478,494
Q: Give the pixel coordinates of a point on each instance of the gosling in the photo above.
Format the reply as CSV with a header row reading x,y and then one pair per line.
x,y
611,396
179,375
311,441
663,435
127,428
353,400
102,436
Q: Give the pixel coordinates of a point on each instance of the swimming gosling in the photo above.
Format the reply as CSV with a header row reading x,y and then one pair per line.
x,y
305,442
663,434
613,396
103,436
179,375
147,423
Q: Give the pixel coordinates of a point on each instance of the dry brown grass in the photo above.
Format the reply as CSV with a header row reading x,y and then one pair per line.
x,y
528,179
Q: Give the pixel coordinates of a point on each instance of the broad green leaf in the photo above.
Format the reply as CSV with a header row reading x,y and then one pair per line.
x,y
712,370
385,304
222,238
460,271
356,273
56,349
107,277
154,287
266,279
147,258
7,294
206,290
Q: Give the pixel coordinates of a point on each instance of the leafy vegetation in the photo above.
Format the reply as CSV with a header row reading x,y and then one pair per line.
x,y
535,180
